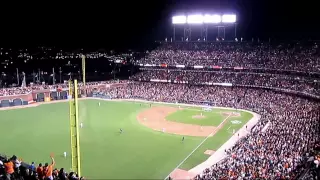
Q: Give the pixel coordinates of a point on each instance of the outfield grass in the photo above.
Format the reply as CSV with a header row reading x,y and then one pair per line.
x,y
138,153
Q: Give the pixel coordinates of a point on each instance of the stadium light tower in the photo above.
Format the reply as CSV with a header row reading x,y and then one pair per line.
x,y
203,21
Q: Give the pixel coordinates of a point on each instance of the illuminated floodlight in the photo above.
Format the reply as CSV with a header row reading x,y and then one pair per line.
x,y
179,19
229,18
195,19
211,18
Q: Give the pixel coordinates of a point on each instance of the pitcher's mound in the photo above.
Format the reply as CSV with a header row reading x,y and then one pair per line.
x,y
198,116
178,174
209,152
156,120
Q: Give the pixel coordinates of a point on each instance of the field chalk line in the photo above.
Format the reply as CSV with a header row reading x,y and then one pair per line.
x,y
214,131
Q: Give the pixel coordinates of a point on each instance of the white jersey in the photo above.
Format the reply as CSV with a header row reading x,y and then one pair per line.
x,y
81,125
65,154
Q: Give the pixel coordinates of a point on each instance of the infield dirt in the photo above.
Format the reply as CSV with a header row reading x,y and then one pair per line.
x,y
154,118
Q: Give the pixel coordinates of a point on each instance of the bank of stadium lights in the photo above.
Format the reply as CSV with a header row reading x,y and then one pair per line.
x,y
212,19
204,19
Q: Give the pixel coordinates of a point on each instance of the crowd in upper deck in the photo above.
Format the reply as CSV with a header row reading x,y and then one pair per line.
x,y
288,56
296,83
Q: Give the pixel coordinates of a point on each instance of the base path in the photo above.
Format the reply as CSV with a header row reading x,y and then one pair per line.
x,y
154,118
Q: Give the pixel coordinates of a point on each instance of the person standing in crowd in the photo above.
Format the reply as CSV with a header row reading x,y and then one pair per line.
x,y
48,169
9,168
40,171
32,166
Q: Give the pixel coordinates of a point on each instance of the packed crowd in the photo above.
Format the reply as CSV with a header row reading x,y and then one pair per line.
x,y
280,152
294,56
26,90
314,165
14,169
296,83
14,91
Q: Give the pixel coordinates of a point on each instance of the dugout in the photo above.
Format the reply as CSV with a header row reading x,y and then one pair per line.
x,y
17,102
54,95
94,94
25,102
40,97
63,95
207,103
90,94
5,103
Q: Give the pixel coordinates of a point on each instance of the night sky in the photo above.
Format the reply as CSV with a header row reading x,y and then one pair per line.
x,y
137,23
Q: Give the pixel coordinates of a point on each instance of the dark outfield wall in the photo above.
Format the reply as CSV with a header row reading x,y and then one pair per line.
x,y
26,97
32,97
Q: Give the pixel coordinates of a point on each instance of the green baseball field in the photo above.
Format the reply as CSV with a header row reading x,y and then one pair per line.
x,y
150,146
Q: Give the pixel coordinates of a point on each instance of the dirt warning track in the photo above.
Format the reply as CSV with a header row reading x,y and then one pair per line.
x,y
154,118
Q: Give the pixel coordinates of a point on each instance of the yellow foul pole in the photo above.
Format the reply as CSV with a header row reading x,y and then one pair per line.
x,y
71,114
74,128
77,127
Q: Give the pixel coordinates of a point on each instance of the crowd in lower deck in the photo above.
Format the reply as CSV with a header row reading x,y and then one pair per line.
x,y
281,152
14,168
